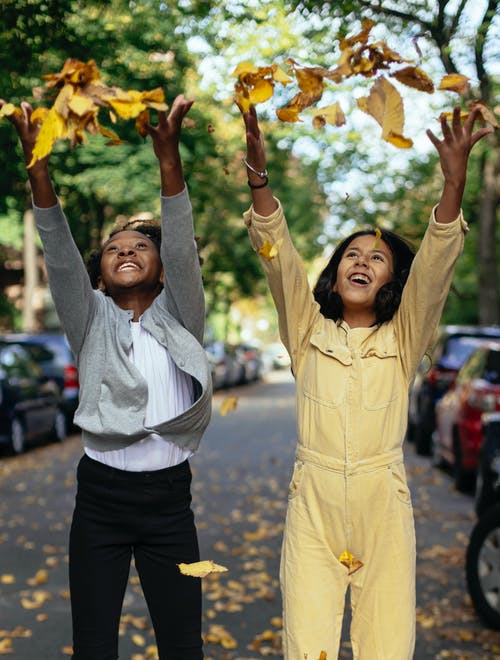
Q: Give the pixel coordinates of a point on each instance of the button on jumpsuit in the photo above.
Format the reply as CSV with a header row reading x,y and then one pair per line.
x,y
348,491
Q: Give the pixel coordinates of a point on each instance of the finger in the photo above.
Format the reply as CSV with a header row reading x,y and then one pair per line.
x,y
480,134
456,122
435,141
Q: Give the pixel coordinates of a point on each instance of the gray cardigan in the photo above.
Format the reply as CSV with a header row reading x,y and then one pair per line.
x,y
113,394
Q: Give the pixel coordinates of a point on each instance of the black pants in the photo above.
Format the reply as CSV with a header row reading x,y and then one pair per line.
x,y
148,515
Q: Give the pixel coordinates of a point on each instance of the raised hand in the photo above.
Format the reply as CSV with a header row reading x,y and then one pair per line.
x,y
454,149
41,184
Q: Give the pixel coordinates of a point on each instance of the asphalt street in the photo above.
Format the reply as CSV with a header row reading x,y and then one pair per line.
x,y
240,481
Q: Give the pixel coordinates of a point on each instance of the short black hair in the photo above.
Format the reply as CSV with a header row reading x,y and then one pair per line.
x,y
388,296
149,228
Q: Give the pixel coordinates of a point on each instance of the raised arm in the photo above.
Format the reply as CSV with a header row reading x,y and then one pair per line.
x,y
454,149
262,198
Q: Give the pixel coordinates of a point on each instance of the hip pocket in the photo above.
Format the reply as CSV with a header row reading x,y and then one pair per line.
x,y
399,484
296,480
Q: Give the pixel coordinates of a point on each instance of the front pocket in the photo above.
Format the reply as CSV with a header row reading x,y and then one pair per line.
x,y
325,374
295,481
398,483
380,383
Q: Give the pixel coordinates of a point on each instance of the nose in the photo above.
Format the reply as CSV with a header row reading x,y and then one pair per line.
x,y
361,260
126,252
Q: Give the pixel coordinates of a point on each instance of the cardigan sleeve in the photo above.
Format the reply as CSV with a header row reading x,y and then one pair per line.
x,y
69,283
183,285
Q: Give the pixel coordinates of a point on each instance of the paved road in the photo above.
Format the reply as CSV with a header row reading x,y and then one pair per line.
x,y
239,490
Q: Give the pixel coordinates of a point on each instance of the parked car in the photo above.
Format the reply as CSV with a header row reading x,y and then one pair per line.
x,y
250,358
276,356
436,373
226,366
488,472
482,567
459,431
51,351
29,401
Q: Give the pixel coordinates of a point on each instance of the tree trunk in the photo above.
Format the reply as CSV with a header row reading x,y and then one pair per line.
x,y
489,299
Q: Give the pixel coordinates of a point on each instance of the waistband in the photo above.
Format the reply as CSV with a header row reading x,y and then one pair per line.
x,y
326,462
101,470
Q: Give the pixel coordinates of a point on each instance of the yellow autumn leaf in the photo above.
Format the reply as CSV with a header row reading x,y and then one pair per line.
x,y
39,115
261,91
486,114
330,114
41,577
279,75
7,578
270,251
454,82
243,69
138,640
9,109
52,129
113,137
201,568
229,404
289,114
6,646
385,105
348,560
378,236
37,600
413,76
82,105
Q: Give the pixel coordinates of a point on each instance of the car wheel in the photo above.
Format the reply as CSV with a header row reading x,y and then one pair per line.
x,y
17,436
483,567
60,426
484,495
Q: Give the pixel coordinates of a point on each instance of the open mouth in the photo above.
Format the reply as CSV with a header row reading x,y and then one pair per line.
x,y
359,278
128,265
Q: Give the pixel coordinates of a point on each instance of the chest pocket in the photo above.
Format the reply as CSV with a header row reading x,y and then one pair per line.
x,y
326,372
380,384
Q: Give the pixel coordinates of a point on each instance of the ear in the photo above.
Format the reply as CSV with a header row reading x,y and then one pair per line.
x,y
100,284
162,276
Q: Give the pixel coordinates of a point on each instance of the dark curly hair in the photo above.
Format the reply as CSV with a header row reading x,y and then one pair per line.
x,y
388,296
147,227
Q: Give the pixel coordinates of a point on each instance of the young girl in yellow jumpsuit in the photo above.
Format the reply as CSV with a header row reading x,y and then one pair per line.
x,y
355,343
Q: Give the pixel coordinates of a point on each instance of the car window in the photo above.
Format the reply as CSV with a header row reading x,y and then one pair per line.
x,y
457,350
39,353
15,362
492,368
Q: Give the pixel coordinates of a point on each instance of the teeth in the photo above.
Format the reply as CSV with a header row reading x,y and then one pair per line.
x,y
128,265
362,279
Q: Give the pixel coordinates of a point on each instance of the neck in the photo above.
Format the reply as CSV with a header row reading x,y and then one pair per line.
x,y
359,319
136,302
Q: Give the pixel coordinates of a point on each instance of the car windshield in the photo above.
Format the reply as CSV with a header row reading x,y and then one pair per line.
x,y
457,351
492,368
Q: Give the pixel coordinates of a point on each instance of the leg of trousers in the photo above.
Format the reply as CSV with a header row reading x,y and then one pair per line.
x,y
146,515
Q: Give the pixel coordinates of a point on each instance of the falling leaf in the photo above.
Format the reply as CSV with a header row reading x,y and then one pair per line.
x,y
378,236
486,114
256,84
270,251
454,82
385,105
347,559
330,114
201,568
322,655
414,77
229,404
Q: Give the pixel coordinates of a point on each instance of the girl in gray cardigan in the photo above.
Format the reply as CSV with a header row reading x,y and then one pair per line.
x,y
145,401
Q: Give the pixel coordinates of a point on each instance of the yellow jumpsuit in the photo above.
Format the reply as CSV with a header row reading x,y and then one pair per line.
x,y
348,491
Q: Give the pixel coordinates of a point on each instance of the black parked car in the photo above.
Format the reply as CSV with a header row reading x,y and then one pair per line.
x,y
29,401
51,351
482,565
436,373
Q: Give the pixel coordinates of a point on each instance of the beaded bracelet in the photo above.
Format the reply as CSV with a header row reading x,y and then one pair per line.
x,y
259,185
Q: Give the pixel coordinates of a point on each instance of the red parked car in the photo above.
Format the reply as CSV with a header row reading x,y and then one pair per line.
x,y
459,431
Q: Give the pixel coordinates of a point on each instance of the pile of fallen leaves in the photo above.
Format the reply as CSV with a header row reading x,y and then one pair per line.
x,y
359,57
80,94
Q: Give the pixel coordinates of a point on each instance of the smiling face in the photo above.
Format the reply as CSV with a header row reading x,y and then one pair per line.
x,y
366,265
130,260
